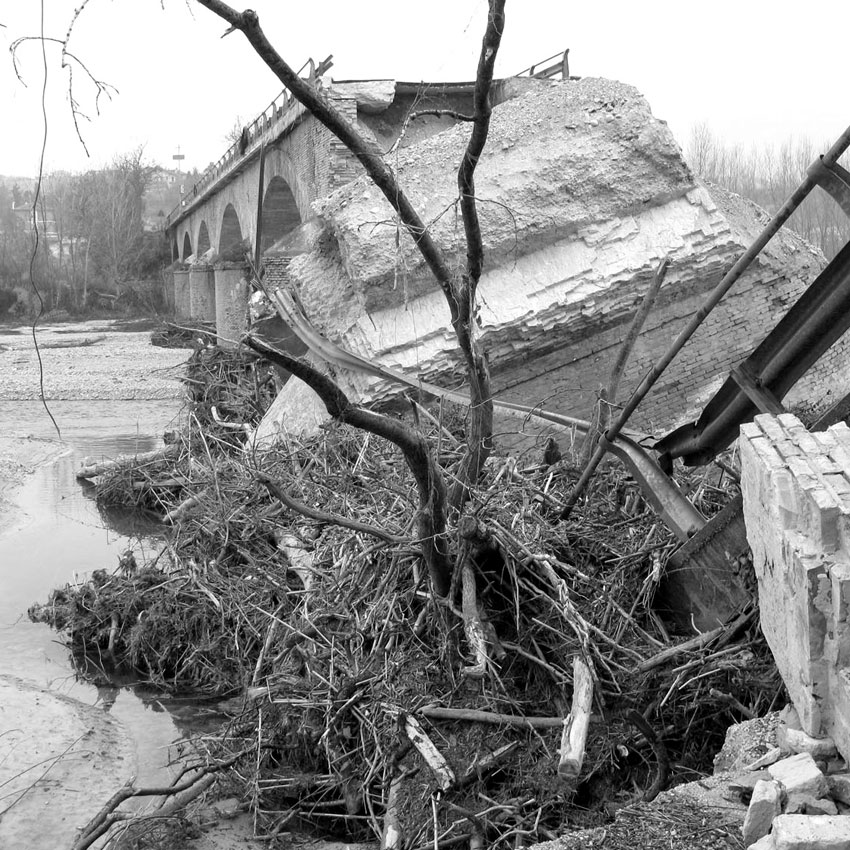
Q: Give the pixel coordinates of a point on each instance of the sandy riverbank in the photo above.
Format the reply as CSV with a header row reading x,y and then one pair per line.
x,y
61,759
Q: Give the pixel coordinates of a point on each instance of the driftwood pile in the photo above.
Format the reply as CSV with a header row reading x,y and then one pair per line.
x,y
293,578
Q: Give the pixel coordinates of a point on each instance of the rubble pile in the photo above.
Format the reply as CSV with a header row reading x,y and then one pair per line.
x,y
798,793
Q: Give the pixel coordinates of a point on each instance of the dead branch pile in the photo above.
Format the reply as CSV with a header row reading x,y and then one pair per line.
x,y
374,710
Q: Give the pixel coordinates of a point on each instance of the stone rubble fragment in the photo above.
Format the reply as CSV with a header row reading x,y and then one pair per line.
x,y
770,757
764,843
839,787
799,775
805,832
765,805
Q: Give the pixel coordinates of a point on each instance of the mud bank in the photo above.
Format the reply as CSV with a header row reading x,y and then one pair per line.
x,y
59,761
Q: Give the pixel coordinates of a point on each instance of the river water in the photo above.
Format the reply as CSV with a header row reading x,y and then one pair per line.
x,y
60,537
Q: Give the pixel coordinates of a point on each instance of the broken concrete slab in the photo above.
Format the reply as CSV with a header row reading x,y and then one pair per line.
x,y
839,787
807,832
765,805
583,193
805,804
799,776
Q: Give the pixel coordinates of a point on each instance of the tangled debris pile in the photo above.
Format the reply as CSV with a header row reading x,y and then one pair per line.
x,y
293,577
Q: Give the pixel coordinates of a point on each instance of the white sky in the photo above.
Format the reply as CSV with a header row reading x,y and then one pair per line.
x,y
754,71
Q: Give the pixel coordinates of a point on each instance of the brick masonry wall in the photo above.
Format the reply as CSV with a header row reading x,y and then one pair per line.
x,y
796,490
735,327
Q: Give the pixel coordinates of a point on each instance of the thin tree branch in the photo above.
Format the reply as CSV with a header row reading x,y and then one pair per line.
x,y
321,516
429,479
366,151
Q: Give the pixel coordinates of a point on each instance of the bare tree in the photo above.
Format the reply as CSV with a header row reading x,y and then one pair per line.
x,y
459,289
768,175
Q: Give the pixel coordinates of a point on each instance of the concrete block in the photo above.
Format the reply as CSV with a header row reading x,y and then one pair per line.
x,y
797,741
807,832
799,775
765,805
823,806
765,843
770,757
839,787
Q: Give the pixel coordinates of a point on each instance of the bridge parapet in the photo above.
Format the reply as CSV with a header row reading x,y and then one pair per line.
x,y
276,119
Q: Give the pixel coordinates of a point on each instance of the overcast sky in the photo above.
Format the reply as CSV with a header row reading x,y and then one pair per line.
x,y
754,71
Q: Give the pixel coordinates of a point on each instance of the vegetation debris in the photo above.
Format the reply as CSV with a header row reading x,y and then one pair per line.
x,y
276,583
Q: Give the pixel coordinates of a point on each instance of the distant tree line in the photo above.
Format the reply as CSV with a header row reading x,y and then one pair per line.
x,y
91,240
768,175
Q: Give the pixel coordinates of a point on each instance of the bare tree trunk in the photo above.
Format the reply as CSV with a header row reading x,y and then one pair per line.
x,y
431,517
460,295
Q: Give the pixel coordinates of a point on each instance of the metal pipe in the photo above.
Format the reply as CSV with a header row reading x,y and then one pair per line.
x,y
771,229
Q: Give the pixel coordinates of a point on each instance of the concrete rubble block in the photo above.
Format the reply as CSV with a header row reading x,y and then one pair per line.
x,y
744,783
811,832
797,741
765,805
839,787
770,757
822,806
766,842
799,775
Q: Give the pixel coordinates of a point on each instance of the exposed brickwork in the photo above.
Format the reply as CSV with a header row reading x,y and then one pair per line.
x,y
796,488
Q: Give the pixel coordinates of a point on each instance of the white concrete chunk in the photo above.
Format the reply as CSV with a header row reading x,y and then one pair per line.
x,y
799,775
799,742
806,832
765,805
766,842
770,757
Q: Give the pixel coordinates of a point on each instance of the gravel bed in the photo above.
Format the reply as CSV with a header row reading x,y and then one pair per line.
x,y
87,360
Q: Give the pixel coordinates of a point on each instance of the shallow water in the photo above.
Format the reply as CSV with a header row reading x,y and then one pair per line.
x,y
61,536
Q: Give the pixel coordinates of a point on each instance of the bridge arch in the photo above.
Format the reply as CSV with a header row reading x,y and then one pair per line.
x,y
203,239
280,212
231,230
187,246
